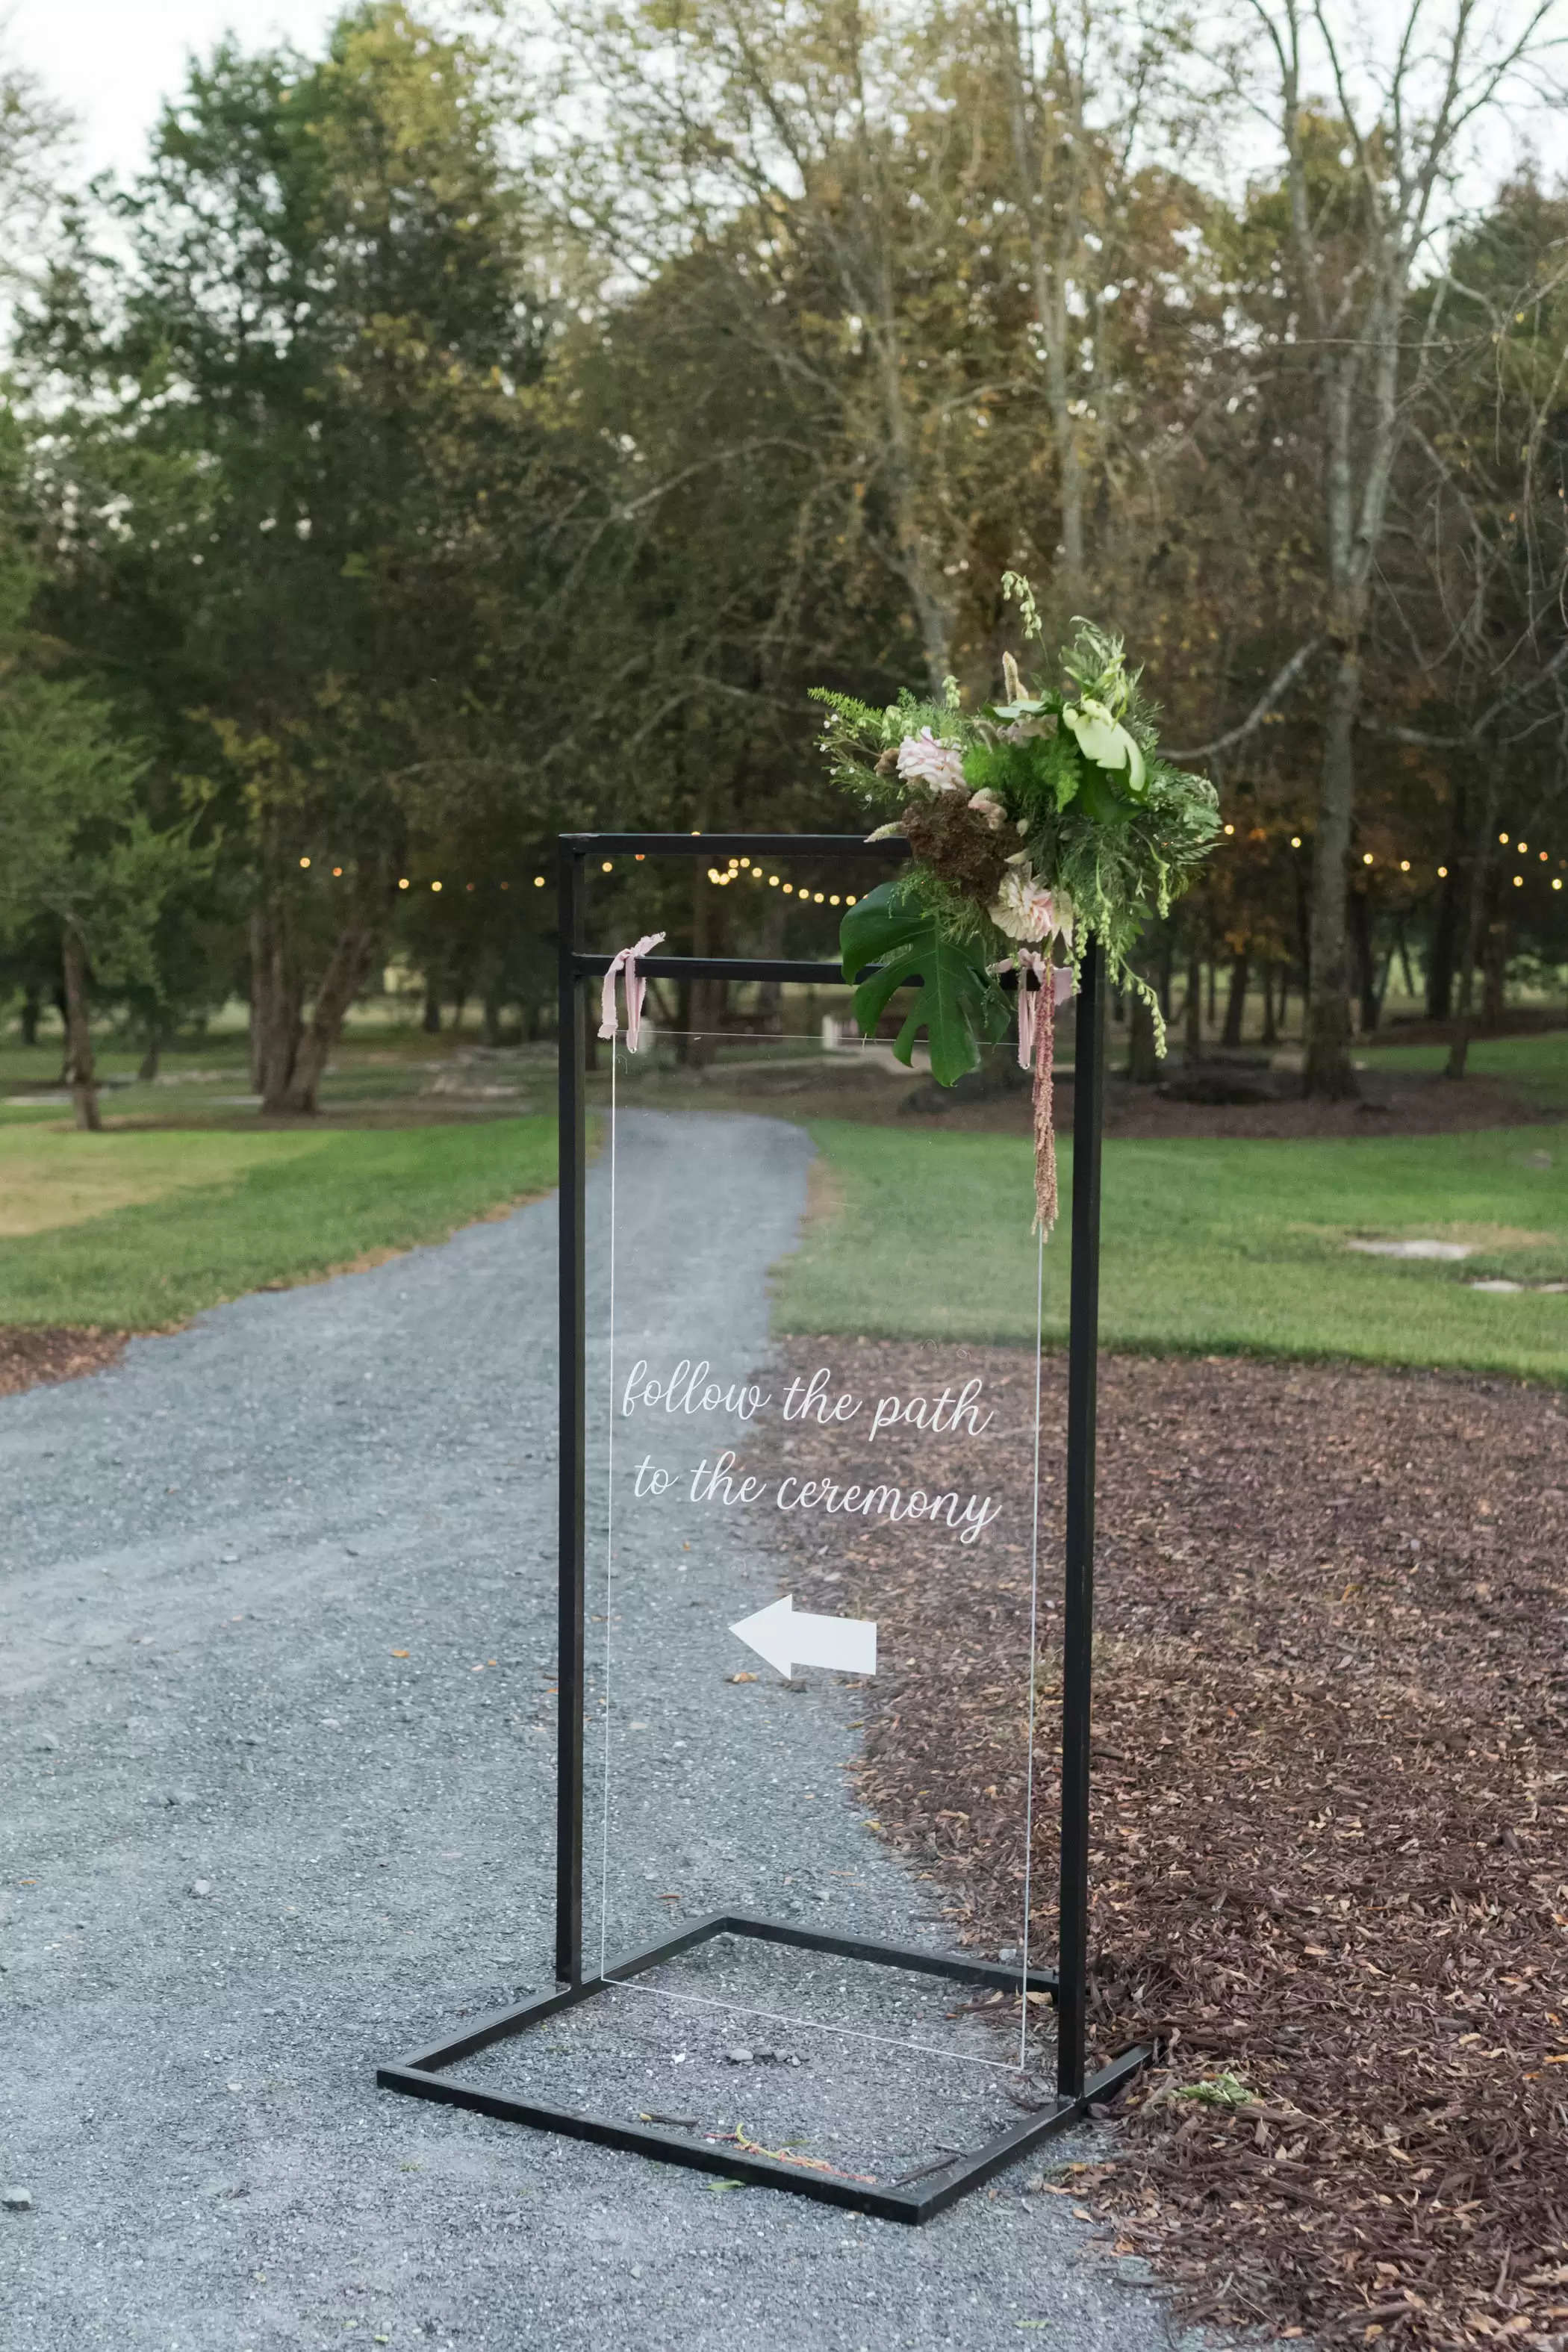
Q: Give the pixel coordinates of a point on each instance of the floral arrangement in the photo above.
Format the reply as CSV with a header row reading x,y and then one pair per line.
x,y
1037,821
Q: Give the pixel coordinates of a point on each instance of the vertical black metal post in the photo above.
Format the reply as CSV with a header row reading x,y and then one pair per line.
x,y
1078,1616
571,1586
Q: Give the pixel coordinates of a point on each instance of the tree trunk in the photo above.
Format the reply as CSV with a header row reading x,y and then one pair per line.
x,y
1050,167
430,1019
1271,1018
1496,944
1479,878
275,1001
701,1023
78,1034
492,1013
1236,1001
353,961
32,1010
770,994
1448,921
1327,1072
1193,1010
148,1069
1359,913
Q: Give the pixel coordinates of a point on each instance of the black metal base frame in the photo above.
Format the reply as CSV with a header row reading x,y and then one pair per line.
x,y
424,2078
940,2185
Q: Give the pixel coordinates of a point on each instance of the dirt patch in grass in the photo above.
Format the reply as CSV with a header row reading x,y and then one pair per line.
x,y
29,1358
1330,1810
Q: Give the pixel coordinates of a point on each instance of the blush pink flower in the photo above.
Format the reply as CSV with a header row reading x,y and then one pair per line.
x,y
1022,907
985,803
923,760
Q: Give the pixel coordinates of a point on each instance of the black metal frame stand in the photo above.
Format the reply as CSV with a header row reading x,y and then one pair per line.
x,y
425,2076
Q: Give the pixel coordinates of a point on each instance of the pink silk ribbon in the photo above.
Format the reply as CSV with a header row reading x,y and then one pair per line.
x,y
1029,998
626,962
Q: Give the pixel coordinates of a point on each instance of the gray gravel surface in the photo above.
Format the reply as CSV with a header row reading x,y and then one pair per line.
x,y
249,1850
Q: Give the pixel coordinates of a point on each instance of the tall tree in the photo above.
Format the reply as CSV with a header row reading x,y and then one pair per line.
x,y
298,485
1370,186
78,853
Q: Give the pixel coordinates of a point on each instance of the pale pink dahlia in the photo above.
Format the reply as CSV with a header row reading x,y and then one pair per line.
x,y
923,760
1022,907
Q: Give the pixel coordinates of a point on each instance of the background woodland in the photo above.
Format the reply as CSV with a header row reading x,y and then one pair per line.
x,y
489,427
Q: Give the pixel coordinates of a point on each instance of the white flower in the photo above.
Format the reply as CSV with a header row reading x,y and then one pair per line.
x,y
922,759
1104,740
1022,907
985,803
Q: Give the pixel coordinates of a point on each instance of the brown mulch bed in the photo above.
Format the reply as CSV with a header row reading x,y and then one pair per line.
x,y
1392,1102
30,1357
1330,1808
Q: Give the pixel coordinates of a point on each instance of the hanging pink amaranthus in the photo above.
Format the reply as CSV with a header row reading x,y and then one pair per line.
x,y
1036,1052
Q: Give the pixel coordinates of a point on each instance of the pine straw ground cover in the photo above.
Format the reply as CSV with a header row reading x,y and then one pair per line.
x,y
1331,1812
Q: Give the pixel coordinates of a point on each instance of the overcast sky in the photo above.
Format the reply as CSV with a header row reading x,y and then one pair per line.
x,y
111,61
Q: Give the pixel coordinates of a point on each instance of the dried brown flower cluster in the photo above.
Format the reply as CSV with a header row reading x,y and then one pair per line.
x,y
959,843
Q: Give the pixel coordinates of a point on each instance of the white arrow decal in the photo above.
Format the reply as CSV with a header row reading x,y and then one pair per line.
x,y
848,1645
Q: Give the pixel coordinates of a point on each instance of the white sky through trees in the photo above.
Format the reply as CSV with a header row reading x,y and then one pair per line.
x,y
113,62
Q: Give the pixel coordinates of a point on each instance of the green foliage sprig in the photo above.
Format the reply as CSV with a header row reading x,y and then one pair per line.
x,y
1045,816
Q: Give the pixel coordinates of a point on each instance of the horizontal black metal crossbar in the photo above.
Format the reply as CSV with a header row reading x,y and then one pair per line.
x,y
424,2078
593,964
676,967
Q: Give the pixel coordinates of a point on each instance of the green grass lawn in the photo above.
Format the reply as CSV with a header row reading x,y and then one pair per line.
x,y
1538,1065
235,1213
1212,1246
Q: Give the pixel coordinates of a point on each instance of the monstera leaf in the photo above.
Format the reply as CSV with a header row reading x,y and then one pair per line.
x,y
956,1005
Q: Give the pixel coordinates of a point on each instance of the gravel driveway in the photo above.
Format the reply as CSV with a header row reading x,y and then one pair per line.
x,y
250,1849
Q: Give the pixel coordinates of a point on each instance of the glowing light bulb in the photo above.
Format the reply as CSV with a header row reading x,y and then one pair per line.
x,y
435,886
1295,841
1366,858
1404,865
608,863
403,884
538,882
304,861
